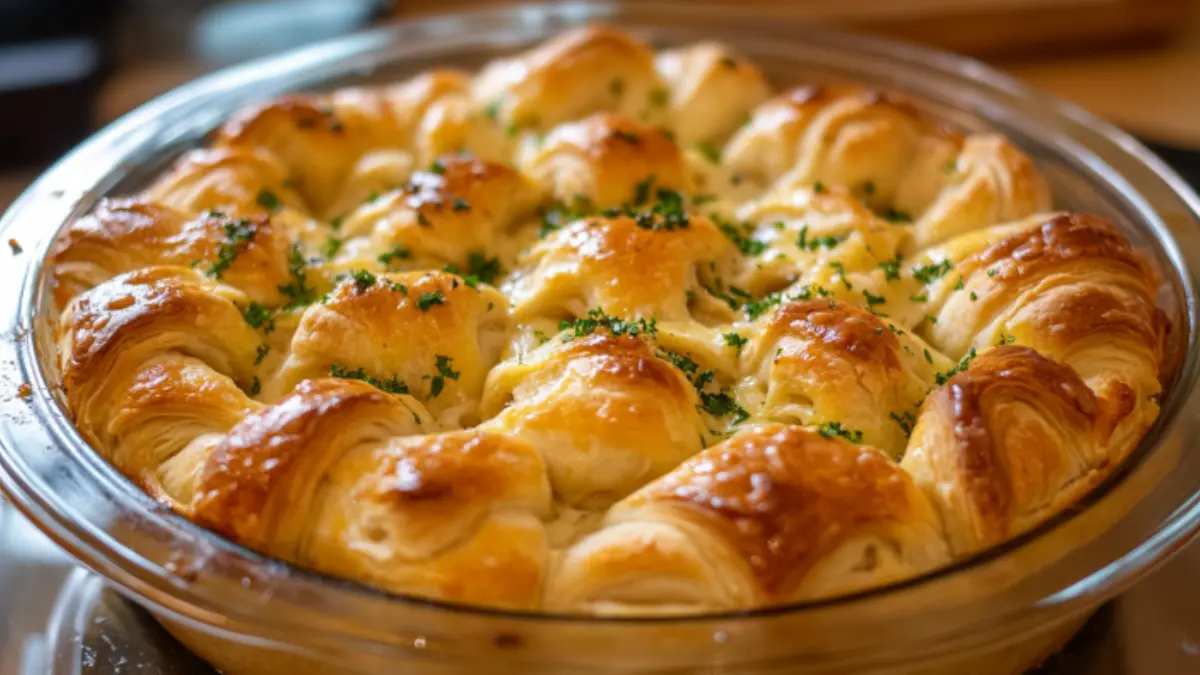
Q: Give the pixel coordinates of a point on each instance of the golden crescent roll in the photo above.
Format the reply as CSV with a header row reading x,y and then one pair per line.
x,y
839,368
1006,444
580,72
448,212
237,180
609,263
880,146
712,89
453,515
773,515
317,139
1073,288
604,411
430,334
251,253
606,159
607,330
152,361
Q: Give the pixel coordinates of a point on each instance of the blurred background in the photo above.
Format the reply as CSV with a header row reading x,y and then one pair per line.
x,y
68,67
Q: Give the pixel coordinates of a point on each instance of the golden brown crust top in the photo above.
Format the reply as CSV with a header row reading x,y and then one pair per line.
x,y
251,462
785,496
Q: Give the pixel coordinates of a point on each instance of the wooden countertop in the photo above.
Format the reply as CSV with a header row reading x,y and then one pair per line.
x,y
1151,92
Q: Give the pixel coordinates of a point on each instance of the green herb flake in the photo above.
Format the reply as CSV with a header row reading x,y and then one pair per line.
x,y
238,235
397,252
927,274
363,279
891,268
942,378
259,316
429,299
331,247
906,420
710,152
268,200
298,291
841,272
835,430
394,385
261,353
732,339
873,300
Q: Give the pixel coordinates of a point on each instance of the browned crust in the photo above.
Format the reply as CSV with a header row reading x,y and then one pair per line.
x,y
981,466
847,330
258,454
784,496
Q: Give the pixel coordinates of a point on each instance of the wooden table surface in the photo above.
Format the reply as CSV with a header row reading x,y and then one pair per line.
x,y
1153,92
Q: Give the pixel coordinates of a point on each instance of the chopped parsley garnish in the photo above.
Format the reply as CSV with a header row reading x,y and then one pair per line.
x,y
958,285
928,356
336,222
268,200
813,244
492,110
659,96
873,300
710,153
437,168
331,247
927,274
596,319
483,268
906,420
397,252
298,291
818,187
732,339
835,429
759,307
942,378
429,299
238,235
922,297
701,200
444,371
255,386
391,386
1006,339
891,268
895,216
684,363
973,297
261,353
363,279
460,204
616,86
868,188
950,166
739,236
841,271
723,404
991,272
259,316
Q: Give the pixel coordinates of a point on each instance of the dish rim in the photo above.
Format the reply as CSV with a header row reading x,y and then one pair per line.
x,y
89,542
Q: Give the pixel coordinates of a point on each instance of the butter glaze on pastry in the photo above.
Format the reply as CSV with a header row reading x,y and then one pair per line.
x,y
607,331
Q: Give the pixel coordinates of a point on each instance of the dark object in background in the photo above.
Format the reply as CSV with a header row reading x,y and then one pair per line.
x,y
52,60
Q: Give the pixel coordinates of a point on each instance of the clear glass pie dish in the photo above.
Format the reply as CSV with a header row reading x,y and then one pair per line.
x,y
1001,611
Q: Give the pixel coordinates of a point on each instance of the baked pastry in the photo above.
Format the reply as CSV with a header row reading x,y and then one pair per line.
x,y
606,331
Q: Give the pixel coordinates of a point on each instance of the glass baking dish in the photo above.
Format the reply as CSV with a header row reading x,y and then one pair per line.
x,y
999,612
